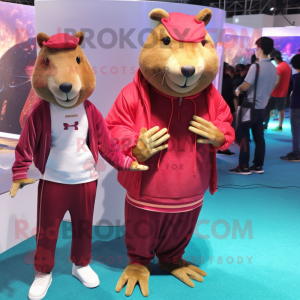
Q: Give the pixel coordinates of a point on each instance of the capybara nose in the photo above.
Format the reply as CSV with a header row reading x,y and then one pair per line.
x,y
188,71
65,87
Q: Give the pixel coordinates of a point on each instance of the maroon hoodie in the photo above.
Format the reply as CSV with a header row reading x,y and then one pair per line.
x,y
164,188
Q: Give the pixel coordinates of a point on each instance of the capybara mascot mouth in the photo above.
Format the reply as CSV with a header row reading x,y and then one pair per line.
x,y
174,120
63,135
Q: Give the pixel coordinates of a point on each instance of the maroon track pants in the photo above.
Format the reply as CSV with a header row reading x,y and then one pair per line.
x,y
149,233
54,200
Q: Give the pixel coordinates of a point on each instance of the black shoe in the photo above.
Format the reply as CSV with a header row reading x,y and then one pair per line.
x,y
226,152
241,171
291,157
257,170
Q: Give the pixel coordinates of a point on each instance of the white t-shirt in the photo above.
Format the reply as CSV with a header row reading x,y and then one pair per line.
x,y
70,160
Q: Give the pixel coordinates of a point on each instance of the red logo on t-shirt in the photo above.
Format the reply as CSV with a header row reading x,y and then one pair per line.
x,y
66,126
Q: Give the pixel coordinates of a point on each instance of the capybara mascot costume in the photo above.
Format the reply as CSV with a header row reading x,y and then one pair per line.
x,y
63,135
172,119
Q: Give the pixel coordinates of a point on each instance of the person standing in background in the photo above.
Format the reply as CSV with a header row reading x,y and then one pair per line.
x,y
280,90
228,95
254,59
247,67
265,83
295,112
231,71
240,71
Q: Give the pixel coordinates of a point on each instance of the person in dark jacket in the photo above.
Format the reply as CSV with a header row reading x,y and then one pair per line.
x,y
254,59
228,95
240,71
227,87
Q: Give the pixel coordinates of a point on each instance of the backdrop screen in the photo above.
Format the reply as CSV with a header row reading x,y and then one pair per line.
x,y
239,42
236,54
287,45
17,57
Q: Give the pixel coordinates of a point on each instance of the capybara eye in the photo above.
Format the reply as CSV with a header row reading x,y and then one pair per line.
x,y
203,43
166,40
78,59
47,61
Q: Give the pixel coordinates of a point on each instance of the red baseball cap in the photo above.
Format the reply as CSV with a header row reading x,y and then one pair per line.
x,y
184,28
62,41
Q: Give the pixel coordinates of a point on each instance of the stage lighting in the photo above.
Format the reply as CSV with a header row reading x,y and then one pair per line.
x,y
272,8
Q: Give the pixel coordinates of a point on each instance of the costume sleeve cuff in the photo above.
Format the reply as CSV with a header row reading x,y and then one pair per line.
x,y
127,163
19,175
225,146
131,155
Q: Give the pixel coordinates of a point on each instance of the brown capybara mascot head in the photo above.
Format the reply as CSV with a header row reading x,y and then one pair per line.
x,y
179,57
62,74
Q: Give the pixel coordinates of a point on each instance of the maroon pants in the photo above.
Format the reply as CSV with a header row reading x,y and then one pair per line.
x,y
149,233
54,200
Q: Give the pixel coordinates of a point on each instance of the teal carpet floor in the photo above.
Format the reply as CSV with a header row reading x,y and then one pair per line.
x,y
247,240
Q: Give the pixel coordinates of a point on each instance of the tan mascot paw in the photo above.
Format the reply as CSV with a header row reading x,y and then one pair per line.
x,y
132,275
18,184
150,142
184,271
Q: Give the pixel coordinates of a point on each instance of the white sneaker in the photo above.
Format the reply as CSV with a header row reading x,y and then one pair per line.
x,y
40,285
86,275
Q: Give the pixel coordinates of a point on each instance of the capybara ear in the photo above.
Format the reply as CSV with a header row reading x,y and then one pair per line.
x,y
157,14
204,15
80,35
42,37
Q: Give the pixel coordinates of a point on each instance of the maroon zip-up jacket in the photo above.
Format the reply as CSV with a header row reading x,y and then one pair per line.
x,y
132,111
34,142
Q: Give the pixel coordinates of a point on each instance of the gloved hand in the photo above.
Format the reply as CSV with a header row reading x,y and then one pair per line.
x,y
18,184
209,133
149,143
137,167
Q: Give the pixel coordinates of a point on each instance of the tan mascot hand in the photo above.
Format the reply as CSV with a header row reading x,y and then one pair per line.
x,y
132,275
210,133
149,143
18,184
137,167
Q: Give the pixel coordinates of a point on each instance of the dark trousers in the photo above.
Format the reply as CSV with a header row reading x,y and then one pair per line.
x,y
54,199
149,232
274,102
243,137
269,107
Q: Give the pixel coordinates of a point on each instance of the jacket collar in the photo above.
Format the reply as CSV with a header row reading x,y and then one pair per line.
x,y
143,89
167,96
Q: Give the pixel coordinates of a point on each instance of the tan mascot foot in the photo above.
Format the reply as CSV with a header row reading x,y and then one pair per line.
x,y
184,271
132,275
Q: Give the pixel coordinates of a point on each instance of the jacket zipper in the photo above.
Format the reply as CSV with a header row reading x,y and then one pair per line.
x,y
180,101
45,153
